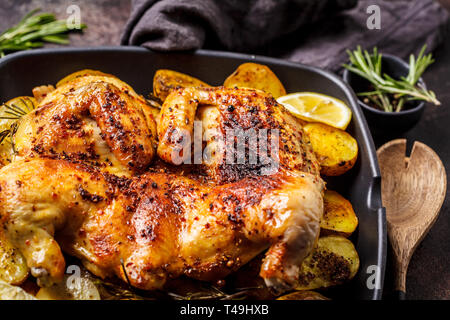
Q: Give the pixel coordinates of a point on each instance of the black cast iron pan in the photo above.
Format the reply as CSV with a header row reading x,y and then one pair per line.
x,y
20,72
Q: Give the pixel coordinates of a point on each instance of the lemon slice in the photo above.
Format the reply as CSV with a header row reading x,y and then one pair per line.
x,y
10,113
318,107
14,109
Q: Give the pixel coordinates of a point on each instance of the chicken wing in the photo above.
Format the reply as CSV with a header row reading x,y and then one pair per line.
x,y
95,119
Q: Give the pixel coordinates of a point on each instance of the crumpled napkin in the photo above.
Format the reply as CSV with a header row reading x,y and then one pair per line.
x,y
315,32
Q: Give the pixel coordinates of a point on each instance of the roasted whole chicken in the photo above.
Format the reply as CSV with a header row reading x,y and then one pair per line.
x,y
84,183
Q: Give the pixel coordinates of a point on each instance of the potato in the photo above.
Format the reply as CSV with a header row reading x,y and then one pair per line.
x,y
13,267
71,288
166,81
333,262
339,217
303,295
335,149
10,292
256,76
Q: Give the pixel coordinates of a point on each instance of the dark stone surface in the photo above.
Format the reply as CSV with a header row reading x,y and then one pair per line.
x,y
105,18
429,271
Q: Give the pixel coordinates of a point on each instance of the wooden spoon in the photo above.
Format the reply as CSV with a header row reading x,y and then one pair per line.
x,y
413,190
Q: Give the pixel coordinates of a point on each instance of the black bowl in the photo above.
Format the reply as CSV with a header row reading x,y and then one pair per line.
x,y
382,122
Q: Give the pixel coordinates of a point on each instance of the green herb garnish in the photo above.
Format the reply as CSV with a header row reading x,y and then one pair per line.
x,y
33,30
391,94
118,291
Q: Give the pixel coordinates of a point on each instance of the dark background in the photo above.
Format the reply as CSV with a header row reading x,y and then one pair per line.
x,y
429,271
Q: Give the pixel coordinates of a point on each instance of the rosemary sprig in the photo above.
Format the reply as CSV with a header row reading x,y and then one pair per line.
x,y
213,293
386,88
4,134
112,291
15,112
33,30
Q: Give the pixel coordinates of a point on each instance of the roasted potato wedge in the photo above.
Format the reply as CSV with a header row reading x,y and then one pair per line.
x,y
78,288
339,218
256,76
333,262
13,268
165,81
335,149
303,295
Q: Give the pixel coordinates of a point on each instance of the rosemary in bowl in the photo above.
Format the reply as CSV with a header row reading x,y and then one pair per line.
x,y
385,91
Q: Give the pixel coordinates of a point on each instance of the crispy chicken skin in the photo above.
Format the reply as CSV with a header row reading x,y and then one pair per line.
x,y
166,222
93,120
155,226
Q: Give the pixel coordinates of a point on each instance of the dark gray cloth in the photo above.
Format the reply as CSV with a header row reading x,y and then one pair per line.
x,y
316,32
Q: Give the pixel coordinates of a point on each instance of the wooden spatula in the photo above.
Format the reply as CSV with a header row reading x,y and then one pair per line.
x,y
413,190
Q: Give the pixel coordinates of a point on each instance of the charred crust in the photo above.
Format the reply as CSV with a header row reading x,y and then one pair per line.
x,y
147,233
87,196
